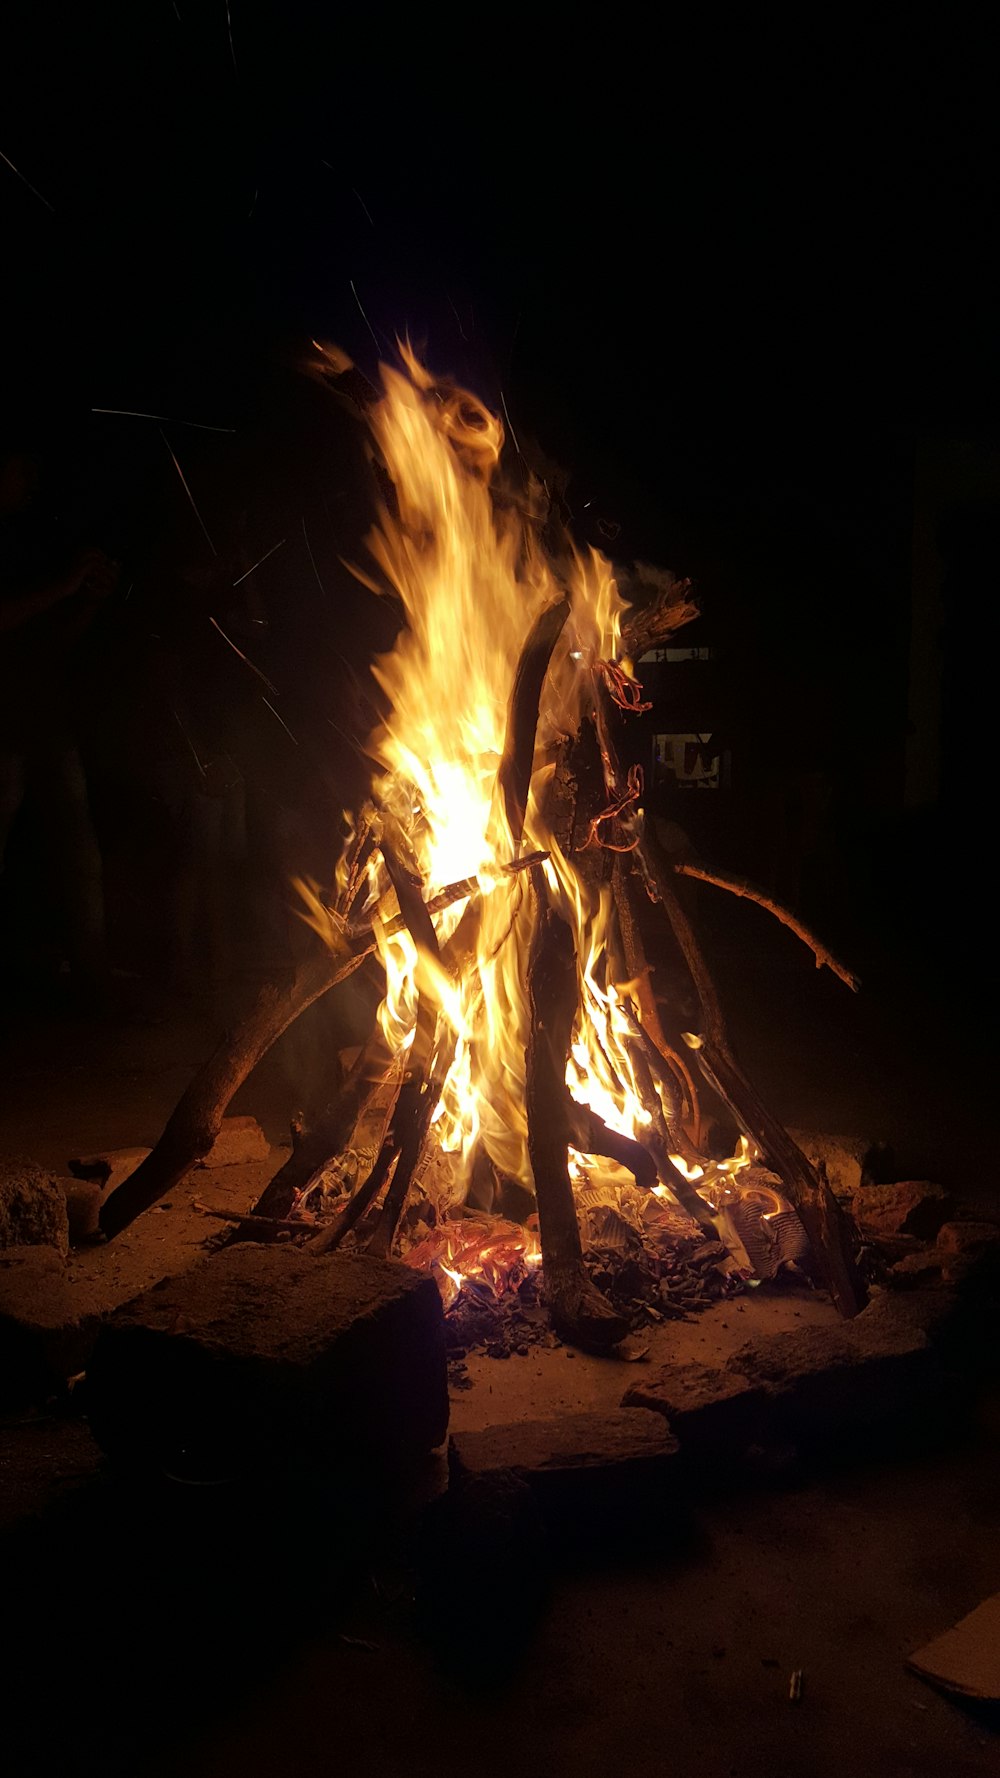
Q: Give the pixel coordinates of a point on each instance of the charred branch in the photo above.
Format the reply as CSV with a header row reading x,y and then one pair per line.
x,y
514,774
739,886
579,1311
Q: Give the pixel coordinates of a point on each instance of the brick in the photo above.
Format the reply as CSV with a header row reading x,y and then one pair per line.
x,y
583,1468
261,1359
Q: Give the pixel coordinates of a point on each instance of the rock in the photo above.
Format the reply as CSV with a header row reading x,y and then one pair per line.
x,y
110,1169
585,1469
712,1412
909,1207
850,1161
868,1377
240,1140
83,1208
958,1238
32,1208
264,1359
47,1330
920,1267
970,1255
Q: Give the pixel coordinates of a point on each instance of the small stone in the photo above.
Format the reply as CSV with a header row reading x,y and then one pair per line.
x,y
970,1255
32,1208
910,1207
239,1142
110,1168
83,1208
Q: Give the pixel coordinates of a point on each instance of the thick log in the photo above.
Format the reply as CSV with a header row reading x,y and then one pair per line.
x,y
579,1312
197,1118
829,1230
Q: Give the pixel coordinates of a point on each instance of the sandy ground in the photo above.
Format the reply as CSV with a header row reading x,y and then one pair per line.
x,y
674,1661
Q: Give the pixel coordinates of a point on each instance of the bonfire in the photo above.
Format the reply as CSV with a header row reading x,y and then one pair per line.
x,y
521,1073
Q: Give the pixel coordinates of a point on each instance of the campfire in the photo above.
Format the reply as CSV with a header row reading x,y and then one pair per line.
x,y
521,1078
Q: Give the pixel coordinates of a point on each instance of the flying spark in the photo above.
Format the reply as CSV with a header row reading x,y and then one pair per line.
x,y
364,317
513,434
284,724
312,559
132,413
263,559
189,494
33,189
246,662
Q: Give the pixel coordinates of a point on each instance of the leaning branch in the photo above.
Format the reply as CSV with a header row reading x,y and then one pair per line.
x,y
739,886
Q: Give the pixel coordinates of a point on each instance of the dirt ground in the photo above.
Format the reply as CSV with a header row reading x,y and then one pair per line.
x,y
676,1659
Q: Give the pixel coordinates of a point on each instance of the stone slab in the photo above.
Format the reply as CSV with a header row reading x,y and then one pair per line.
x,y
260,1359
47,1330
714,1413
583,1468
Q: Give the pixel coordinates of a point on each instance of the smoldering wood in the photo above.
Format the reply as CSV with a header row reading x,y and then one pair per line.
x,y
578,1309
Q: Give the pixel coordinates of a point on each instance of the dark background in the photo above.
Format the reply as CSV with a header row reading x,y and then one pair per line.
x,y
741,289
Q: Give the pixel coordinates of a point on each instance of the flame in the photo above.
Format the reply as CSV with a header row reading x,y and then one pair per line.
x,y
471,573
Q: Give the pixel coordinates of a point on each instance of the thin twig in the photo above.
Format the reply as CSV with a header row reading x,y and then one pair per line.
x,y
739,886
300,1226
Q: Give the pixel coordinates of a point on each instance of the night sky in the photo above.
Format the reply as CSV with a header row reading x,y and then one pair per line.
x,y
724,284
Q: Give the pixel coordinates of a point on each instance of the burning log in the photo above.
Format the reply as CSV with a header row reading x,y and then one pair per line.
x,y
578,1309
197,1118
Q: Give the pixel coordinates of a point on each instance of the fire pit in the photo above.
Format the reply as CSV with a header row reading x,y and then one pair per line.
x,y
522,1078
